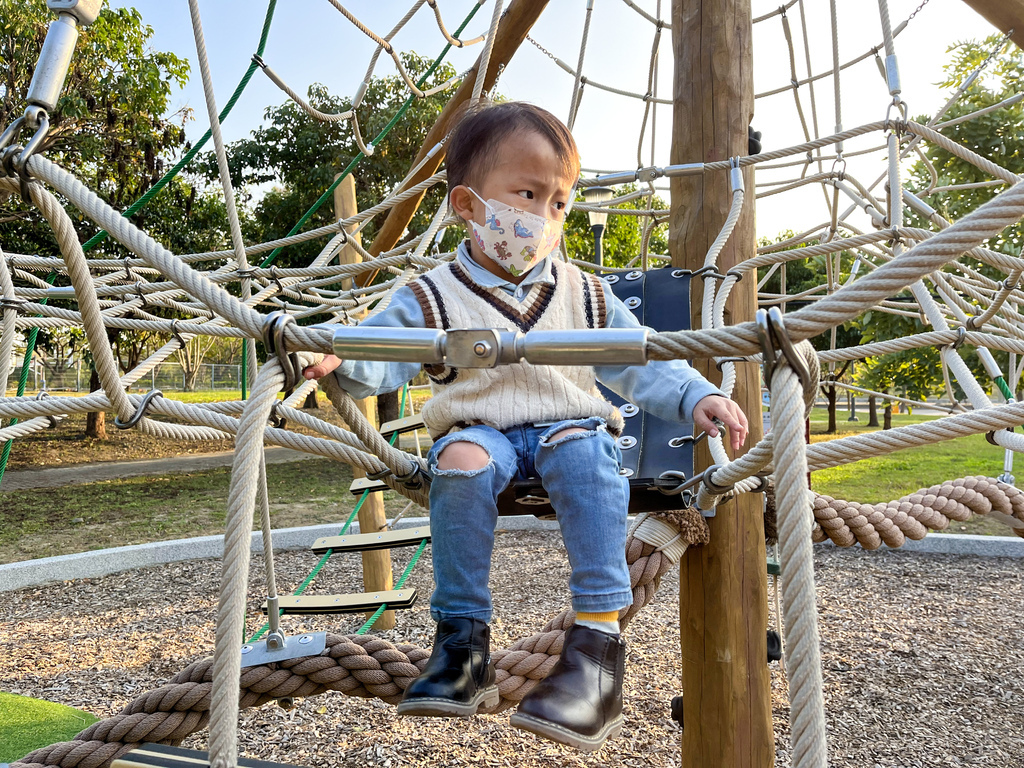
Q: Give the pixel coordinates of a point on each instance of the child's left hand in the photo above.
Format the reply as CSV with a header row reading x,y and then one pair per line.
x,y
726,411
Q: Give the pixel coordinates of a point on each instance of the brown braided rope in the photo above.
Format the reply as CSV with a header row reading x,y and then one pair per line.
x,y
847,522
356,665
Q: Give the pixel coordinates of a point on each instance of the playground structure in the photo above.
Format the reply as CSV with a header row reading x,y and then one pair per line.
x,y
711,234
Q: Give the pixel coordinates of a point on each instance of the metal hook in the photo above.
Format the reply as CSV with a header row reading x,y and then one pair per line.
x,y
772,335
273,339
140,412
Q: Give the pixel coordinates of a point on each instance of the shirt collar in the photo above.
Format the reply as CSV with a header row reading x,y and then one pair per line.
x,y
541,272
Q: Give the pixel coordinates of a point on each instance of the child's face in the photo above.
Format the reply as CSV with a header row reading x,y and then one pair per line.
x,y
528,175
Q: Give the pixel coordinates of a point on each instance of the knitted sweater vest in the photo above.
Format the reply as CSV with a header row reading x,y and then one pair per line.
x,y
521,393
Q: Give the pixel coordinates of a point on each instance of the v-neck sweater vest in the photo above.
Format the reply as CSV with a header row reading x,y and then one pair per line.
x,y
520,393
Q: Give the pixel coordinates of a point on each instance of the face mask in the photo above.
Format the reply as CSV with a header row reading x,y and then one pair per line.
x,y
513,238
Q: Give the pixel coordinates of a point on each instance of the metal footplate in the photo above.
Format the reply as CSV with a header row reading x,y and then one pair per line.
x,y
162,756
308,605
366,542
278,647
401,426
361,484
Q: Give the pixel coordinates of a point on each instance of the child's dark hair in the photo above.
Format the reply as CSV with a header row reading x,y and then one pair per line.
x,y
474,144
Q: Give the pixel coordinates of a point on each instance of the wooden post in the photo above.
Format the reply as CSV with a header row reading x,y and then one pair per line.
x,y
1005,14
723,609
376,564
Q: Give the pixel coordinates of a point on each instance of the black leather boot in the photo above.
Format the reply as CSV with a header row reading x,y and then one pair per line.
x,y
580,702
459,676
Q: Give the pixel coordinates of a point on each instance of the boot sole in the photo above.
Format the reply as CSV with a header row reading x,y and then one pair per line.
x,y
563,735
438,707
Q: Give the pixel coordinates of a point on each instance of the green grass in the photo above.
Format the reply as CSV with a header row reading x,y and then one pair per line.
x,y
29,724
888,477
55,521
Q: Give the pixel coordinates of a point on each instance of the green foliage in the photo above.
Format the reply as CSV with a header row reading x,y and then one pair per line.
x,y
997,136
300,156
109,127
623,235
811,274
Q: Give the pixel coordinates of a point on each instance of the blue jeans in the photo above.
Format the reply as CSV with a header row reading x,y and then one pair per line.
x,y
580,472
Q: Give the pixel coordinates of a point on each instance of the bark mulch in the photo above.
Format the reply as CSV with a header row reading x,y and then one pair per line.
x,y
922,658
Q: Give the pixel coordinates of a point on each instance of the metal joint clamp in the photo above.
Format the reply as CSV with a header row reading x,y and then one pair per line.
x,y
771,332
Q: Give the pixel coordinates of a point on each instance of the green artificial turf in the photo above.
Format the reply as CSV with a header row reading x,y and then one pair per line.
x,y
27,724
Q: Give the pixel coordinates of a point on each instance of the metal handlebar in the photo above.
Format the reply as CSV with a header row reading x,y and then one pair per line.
x,y
489,348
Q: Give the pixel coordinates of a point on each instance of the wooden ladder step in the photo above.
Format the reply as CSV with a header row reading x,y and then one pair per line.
x,y
305,605
162,756
401,426
366,542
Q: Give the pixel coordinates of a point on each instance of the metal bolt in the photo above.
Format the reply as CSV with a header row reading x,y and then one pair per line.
x,y
306,639
481,349
246,648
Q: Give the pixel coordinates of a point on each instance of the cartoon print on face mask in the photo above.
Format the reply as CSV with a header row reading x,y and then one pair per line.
x,y
535,236
521,230
493,223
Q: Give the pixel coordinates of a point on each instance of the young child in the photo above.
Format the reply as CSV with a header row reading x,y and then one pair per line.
x,y
512,170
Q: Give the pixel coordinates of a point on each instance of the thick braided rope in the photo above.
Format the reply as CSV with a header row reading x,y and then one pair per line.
x,y
870,525
356,665
235,572
985,222
92,318
803,656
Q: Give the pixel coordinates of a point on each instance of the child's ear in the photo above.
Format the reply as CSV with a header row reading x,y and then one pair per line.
x,y
461,201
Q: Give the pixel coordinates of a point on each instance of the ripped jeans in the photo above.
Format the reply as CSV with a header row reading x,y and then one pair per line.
x,y
580,472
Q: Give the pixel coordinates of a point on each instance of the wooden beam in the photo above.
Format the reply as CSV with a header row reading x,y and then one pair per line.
x,y
377,574
515,24
1004,15
723,609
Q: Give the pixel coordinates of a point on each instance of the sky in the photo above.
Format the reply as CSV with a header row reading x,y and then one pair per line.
x,y
310,41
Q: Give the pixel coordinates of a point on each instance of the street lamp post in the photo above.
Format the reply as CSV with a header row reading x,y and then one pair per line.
x,y
597,196
853,407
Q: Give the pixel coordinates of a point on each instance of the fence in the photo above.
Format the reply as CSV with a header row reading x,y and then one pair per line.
x,y
74,377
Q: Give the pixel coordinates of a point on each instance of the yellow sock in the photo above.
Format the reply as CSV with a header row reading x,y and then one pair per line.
x,y
606,616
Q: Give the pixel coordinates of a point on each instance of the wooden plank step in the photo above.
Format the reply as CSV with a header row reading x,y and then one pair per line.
x,y
401,426
304,605
163,756
361,484
366,542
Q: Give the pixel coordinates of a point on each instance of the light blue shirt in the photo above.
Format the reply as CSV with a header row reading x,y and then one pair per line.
x,y
669,389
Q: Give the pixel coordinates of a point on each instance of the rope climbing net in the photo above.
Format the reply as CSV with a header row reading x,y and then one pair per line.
x,y
966,292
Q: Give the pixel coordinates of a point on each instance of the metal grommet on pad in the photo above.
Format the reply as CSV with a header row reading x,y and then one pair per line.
x,y
626,442
611,279
632,302
636,274
629,410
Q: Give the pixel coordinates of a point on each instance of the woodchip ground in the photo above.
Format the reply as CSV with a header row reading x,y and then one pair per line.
x,y
921,655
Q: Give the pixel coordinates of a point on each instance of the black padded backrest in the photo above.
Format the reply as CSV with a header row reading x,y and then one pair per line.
x,y
660,299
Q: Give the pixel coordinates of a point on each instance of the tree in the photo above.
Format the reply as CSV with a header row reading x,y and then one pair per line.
x,y
109,126
623,235
300,156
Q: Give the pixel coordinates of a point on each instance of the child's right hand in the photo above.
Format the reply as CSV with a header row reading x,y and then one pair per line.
x,y
321,369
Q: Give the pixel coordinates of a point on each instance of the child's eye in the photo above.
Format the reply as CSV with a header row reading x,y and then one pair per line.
x,y
560,206
528,194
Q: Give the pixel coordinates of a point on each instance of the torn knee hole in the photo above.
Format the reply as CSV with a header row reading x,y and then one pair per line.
x,y
462,456
565,434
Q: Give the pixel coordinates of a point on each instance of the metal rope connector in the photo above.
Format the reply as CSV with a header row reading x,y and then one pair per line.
x,y
54,419
273,340
775,341
140,412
